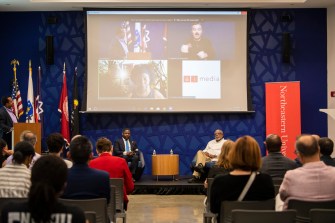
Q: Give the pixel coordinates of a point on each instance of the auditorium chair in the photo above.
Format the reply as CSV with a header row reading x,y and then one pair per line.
x,y
322,215
263,216
120,212
303,208
228,206
97,205
208,216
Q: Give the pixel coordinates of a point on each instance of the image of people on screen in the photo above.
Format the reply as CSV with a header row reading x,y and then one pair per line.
x,y
197,47
119,47
145,83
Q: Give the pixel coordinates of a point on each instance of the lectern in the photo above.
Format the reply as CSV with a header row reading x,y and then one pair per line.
x,y
33,127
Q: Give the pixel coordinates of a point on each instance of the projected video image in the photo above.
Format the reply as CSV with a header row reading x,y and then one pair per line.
x,y
132,79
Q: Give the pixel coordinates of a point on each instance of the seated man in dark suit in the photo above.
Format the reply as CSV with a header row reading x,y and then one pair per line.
x,y
275,163
126,148
84,182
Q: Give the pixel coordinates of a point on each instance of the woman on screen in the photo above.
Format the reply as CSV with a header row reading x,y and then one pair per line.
x,y
143,83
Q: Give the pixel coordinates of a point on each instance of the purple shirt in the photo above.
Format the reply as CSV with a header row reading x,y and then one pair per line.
x,y
11,114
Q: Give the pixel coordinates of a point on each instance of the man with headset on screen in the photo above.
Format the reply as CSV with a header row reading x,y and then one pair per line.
x,y
197,47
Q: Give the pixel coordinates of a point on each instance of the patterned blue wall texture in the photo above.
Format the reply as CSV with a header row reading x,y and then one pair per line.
x,y
187,133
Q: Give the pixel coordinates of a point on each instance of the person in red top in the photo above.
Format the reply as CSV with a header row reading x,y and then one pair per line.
x,y
115,166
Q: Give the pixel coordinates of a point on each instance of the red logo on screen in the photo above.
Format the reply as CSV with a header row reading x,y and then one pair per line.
x,y
194,79
187,78
191,78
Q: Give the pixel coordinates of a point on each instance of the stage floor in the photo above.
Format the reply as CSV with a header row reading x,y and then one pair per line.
x,y
166,185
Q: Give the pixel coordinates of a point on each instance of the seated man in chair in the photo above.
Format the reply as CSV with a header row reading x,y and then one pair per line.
x,y
207,157
126,148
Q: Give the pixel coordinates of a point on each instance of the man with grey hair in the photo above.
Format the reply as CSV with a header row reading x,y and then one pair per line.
x,y
26,136
206,157
314,181
275,163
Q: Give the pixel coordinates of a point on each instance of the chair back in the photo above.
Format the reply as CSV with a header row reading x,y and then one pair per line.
x,y
208,216
303,208
111,209
90,216
322,215
276,183
228,206
119,206
97,205
263,216
118,183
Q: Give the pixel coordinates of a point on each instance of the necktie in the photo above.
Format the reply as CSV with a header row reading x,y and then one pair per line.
x,y
127,146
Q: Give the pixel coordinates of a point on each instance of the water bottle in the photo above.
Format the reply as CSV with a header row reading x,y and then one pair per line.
x,y
154,153
171,152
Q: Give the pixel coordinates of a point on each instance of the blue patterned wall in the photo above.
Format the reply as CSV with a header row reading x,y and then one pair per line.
x,y
184,133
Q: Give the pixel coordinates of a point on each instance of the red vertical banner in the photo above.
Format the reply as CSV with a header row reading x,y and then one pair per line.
x,y
283,113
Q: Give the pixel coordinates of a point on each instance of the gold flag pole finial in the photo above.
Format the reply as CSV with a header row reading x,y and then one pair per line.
x,y
15,62
29,65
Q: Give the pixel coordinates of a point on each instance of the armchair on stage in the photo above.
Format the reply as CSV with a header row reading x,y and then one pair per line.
x,y
33,127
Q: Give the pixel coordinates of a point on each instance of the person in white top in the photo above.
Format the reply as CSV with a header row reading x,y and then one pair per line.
x,y
207,157
15,177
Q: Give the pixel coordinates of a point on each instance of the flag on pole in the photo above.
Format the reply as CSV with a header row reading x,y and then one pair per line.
x,y
17,100
75,107
128,39
38,99
30,112
16,94
63,108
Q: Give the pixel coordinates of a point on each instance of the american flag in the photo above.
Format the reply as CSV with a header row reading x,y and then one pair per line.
x,y
126,26
17,100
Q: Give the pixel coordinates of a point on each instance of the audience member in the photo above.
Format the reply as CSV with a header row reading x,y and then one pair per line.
x,y
15,177
245,160
115,166
55,144
7,119
26,136
275,163
314,180
326,149
5,152
48,179
207,157
126,148
84,182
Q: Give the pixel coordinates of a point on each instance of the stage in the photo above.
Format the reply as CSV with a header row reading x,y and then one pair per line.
x,y
166,185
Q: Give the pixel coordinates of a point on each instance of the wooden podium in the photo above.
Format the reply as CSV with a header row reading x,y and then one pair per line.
x,y
33,127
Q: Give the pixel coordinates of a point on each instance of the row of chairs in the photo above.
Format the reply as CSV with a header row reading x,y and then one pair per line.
x,y
255,211
96,210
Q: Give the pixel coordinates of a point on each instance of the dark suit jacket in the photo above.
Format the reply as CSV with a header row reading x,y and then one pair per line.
x,y
86,183
6,122
119,147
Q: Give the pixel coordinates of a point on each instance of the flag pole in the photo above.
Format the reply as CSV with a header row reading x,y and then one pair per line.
x,y
15,62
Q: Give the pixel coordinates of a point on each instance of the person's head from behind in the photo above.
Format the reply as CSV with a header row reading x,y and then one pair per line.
x,y
28,136
55,143
141,76
196,31
326,146
80,150
245,155
103,145
307,149
7,101
23,153
126,133
223,157
3,144
48,179
273,143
